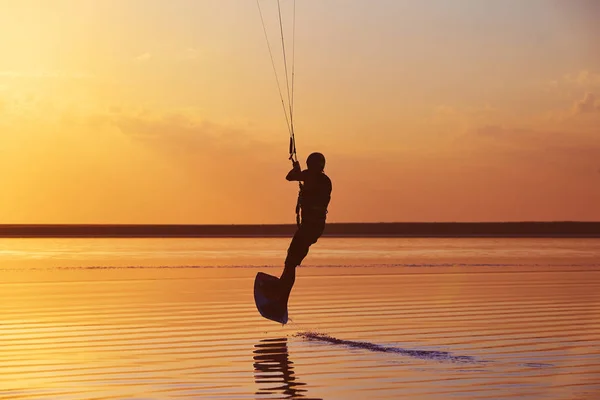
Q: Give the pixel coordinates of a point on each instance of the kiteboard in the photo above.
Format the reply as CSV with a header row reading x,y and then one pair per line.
x,y
268,305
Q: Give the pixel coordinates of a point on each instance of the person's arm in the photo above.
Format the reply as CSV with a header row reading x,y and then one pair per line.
x,y
296,173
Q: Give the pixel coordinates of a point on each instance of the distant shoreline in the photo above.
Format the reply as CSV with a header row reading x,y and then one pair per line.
x,y
559,229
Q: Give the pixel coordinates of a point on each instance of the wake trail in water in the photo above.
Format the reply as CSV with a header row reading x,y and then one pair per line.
x,y
422,354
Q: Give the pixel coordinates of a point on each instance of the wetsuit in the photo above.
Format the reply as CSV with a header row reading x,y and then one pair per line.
x,y
314,199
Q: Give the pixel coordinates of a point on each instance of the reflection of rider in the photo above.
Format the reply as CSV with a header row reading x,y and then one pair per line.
x,y
314,199
272,367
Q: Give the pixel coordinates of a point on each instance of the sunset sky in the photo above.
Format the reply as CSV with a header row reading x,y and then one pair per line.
x,y
155,111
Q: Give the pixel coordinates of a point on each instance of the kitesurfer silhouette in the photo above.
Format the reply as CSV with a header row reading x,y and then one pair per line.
x,y
313,200
271,293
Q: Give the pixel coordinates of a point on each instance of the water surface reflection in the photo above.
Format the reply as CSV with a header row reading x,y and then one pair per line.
x,y
274,372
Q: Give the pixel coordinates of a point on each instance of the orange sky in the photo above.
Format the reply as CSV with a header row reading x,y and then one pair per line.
x,y
168,112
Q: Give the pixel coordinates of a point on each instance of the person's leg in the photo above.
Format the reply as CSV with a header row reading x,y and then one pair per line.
x,y
296,252
306,235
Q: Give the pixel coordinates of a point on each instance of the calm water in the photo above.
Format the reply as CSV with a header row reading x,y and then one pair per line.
x,y
371,318
51,253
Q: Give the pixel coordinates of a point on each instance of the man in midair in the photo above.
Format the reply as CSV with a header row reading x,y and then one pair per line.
x,y
314,198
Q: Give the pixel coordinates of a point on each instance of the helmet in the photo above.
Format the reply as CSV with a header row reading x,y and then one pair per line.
x,y
316,162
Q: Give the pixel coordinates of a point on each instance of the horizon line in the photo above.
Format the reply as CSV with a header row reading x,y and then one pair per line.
x,y
339,229
293,223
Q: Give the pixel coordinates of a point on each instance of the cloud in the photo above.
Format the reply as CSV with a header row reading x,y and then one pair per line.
x,y
470,112
587,105
181,130
229,157
565,85
571,115
499,131
143,57
584,78
191,54
568,151
446,118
